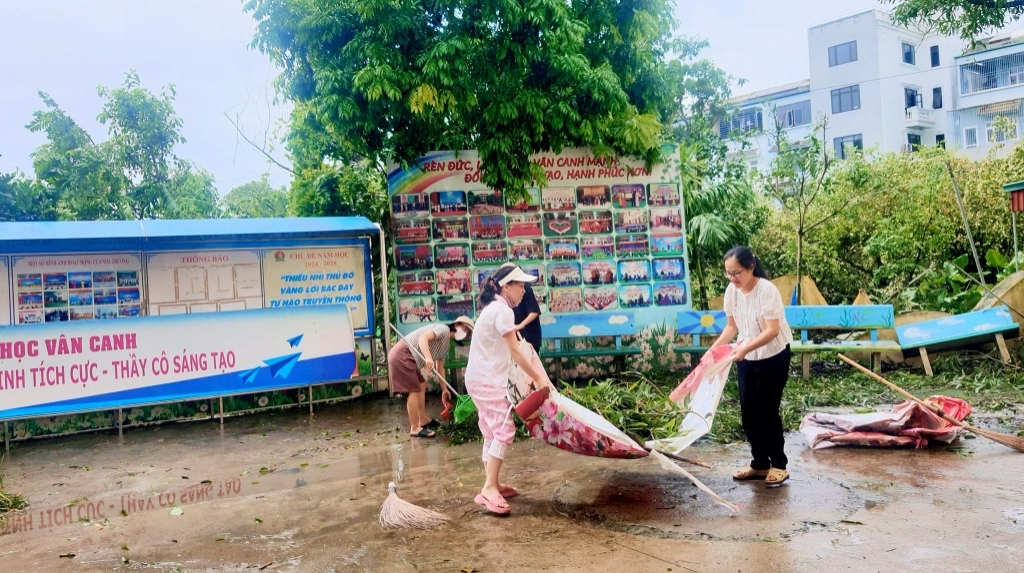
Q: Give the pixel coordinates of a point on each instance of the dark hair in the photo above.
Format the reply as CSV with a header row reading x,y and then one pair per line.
x,y
746,259
489,288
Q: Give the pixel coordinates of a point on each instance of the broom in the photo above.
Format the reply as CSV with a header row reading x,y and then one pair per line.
x,y
1004,439
396,512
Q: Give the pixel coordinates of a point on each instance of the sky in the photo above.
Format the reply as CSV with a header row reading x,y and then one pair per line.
x,y
67,49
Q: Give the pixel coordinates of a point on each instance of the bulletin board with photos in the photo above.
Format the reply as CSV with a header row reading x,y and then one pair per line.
x,y
600,237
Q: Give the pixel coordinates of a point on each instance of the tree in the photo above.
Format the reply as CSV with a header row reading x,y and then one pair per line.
x,y
254,200
134,174
967,19
397,80
23,199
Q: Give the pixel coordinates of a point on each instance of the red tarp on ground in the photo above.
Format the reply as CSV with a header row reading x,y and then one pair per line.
x,y
908,425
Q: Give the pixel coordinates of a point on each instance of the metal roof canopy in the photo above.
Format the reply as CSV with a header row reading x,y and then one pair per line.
x,y
159,230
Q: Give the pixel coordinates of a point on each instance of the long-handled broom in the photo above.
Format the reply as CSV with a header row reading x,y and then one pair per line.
x,y
1004,439
398,513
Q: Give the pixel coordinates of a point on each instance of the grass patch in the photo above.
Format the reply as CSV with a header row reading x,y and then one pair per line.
x,y
9,501
639,403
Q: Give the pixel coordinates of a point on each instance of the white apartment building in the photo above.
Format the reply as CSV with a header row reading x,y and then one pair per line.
x,y
878,84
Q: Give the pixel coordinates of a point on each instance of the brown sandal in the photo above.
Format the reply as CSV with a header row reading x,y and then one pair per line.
x,y
775,477
750,473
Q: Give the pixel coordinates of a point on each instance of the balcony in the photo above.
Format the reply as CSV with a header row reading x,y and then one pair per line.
x,y
918,118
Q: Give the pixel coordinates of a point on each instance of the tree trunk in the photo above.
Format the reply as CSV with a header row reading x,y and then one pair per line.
x,y
799,262
700,281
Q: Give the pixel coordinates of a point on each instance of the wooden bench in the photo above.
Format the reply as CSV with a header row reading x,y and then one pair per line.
x,y
958,331
703,326
805,319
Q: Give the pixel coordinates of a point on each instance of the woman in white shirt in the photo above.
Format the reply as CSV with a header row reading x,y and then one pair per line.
x,y
494,347
755,311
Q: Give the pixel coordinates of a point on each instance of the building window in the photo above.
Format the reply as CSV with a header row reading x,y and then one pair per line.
x,y
935,56
998,72
971,137
794,115
842,54
1000,130
911,98
850,140
908,54
913,142
936,98
940,140
846,99
744,121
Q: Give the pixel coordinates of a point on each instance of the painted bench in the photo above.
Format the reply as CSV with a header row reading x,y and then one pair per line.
x,y
804,320
958,331
703,326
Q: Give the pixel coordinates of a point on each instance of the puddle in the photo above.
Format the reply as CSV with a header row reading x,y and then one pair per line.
x,y
1016,515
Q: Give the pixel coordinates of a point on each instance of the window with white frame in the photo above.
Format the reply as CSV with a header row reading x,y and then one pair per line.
x,y
909,57
842,54
971,137
842,144
744,121
794,114
1016,75
846,99
1001,129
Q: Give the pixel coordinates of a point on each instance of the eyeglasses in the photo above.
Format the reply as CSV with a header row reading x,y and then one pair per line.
x,y
734,274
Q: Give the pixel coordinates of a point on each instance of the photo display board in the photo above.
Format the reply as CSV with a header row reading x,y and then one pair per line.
x,y
601,236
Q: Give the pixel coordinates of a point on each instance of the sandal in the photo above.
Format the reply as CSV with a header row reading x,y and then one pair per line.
x,y
432,425
775,477
750,473
508,491
424,433
497,505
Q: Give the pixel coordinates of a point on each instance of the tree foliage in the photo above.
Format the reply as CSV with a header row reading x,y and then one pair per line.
x,y
967,19
395,80
254,200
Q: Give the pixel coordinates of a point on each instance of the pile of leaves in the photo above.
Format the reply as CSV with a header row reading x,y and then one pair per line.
x,y
9,501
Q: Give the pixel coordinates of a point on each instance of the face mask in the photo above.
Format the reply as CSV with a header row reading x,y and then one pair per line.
x,y
460,335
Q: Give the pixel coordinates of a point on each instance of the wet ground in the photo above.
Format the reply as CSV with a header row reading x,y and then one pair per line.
x,y
290,492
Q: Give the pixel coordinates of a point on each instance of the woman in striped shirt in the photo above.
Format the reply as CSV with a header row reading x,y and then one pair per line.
x,y
755,311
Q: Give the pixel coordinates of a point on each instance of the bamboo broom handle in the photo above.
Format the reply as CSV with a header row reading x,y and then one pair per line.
x,y
905,394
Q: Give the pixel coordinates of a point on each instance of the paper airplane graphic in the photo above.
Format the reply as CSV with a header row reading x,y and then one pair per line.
x,y
281,366
249,375
295,341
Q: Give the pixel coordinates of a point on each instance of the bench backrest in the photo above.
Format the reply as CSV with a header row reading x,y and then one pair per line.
x,y
961,327
701,322
841,317
588,324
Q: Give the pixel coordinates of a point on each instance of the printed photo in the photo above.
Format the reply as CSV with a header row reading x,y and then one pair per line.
x,y
559,199
565,300
104,279
55,281
454,281
663,195
55,299
486,203
600,298
127,279
81,298
634,296
531,204
668,269
104,296
409,231
30,317
599,273
106,312
30,300
447,256
416,283
593,197
57,315
524,225
30,282
489,253
79,280
481,275
560,224
631,221
411,206
670,294
541,294
129,310
631,246
537,271
634,271
413,258
629,196
595,222
486,228
416,310
448,203
667,245
564,274
598,247
451,307
450,230
82,314
127,296
666,220
526,250
562,249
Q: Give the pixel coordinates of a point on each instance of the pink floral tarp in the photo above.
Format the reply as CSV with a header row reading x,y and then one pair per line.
x,y
908,425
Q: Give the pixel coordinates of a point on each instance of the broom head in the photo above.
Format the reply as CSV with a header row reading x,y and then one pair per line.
x,y
398,513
